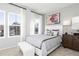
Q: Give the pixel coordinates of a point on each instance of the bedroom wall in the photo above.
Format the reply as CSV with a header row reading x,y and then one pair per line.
x,y
54,26
67,28
66,14
8,42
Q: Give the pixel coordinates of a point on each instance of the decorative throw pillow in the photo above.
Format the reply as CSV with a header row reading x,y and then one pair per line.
x,y
56,32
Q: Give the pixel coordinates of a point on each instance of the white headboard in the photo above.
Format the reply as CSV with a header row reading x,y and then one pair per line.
x,y
54,27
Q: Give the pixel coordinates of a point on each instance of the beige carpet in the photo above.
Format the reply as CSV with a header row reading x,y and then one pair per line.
x,y
11,52
61,51
58,52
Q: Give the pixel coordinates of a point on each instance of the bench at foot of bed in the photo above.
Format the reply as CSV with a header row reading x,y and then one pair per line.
x,y
27,49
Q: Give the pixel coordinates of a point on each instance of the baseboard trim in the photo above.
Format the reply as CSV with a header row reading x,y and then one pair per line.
x,y
7,48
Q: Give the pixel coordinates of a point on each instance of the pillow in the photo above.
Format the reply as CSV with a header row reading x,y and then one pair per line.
x,y
52,32
55,32
48,32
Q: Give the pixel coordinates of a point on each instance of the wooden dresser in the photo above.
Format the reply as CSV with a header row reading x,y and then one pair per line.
x,y
70,41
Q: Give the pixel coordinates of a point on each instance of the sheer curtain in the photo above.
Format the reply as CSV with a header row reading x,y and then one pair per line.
x,y
28,22
25,23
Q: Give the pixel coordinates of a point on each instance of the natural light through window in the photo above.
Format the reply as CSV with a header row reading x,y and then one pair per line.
x,y
14,24
2,17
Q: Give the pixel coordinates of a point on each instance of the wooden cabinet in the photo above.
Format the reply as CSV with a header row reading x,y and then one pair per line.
x,y
70,41
76,42
67,41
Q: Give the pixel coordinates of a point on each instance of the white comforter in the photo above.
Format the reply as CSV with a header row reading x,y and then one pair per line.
x,y
37,40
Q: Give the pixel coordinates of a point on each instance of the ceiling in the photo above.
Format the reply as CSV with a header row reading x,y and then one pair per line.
x,y
44,8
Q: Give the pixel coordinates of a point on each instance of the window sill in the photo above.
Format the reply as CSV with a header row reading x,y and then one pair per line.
x,y
2,37
13,36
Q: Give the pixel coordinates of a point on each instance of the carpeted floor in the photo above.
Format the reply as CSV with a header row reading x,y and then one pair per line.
x,y
10,52
61,51
58,52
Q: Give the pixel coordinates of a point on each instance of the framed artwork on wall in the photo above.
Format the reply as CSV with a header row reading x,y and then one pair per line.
x,y
53,19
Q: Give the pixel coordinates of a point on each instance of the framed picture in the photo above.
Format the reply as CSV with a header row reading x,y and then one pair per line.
x,y
53,19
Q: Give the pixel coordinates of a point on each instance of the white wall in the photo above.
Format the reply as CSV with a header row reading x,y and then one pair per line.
x,y
7,42
54,26
67,13
25,23
75,23
67,29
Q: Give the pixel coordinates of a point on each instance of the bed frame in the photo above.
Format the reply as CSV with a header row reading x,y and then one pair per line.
x,y
44,52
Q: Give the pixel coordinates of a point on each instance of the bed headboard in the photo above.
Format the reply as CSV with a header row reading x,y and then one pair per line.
x,y
52,32
52,28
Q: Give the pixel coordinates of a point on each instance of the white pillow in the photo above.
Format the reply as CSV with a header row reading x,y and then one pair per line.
x,y
52,32
55,33
48,32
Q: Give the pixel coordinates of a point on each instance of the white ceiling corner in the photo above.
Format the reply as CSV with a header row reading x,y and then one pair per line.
x,y
44,8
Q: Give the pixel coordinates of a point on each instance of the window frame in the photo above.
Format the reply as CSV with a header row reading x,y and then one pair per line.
x,y
4,12
9,13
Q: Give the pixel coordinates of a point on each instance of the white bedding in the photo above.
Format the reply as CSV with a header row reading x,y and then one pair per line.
x,y
52,42
37,40
48,46
44,45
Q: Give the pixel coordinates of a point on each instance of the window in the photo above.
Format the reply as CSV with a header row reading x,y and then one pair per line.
x,y
14,24
35,24
2,17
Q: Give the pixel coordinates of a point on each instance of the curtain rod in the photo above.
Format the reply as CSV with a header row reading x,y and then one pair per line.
x,y
24,8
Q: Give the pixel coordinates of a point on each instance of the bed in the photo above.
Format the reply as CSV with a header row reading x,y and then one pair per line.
x,y
44,44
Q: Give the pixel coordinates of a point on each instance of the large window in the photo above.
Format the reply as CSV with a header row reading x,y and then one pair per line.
x,y
35,24
2,18
14,24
